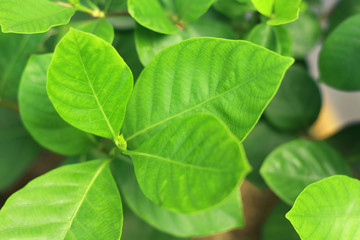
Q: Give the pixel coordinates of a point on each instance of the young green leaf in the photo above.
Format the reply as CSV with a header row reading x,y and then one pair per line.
x,y
234,80
297,104
14,52
279,11
227,215
149,43
100,27
277,226
260,142
275,38
186,153
339,56
32,16
40,117
294,165
328,209
78,201
89,84
17,148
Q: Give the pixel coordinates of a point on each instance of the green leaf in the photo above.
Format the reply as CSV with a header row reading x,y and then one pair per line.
x,y
101,28
234,80
14,52
279,11
277,226
78,201
339,56
294,165
17,148
275,38
227,215
149,43
150,14
32,16
89,91
171,167
163,16
297,104
341,11
260,142
132,225
40,117
233,8
328,209
305,33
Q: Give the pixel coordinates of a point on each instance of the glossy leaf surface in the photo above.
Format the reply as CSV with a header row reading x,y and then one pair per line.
x,y
328,209
339,56
78,201
294,165
234,80
260,142
14,51
89,84
297,104
149,43
191,165
40,117
279,11
18,150
32,16
227,215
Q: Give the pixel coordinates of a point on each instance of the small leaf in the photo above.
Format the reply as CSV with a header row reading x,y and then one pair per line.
x,y
89,84
260,142
294,165
226,216
328,209
40,117
279,11
32,16
78,201
18,150
233,8
277,226
339,56
149,43
188,10
100,27
275,38
14,52
233,80
186,153
297,104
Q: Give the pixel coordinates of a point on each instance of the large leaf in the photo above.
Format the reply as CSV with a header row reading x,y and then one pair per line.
x,y
90,91
164,16
275,38
40,117
78,201
339,56
294,165
260,142
297,104
191,165
32,16
17,148
225,216
277,226
149,43
234,80
14,51
305,33
279,11
328,209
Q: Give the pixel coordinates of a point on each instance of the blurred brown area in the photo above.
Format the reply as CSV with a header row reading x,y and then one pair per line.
x,y
45,162
256,204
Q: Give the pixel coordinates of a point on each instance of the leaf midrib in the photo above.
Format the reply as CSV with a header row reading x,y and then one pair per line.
x,y
101,167
94,94
160,158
